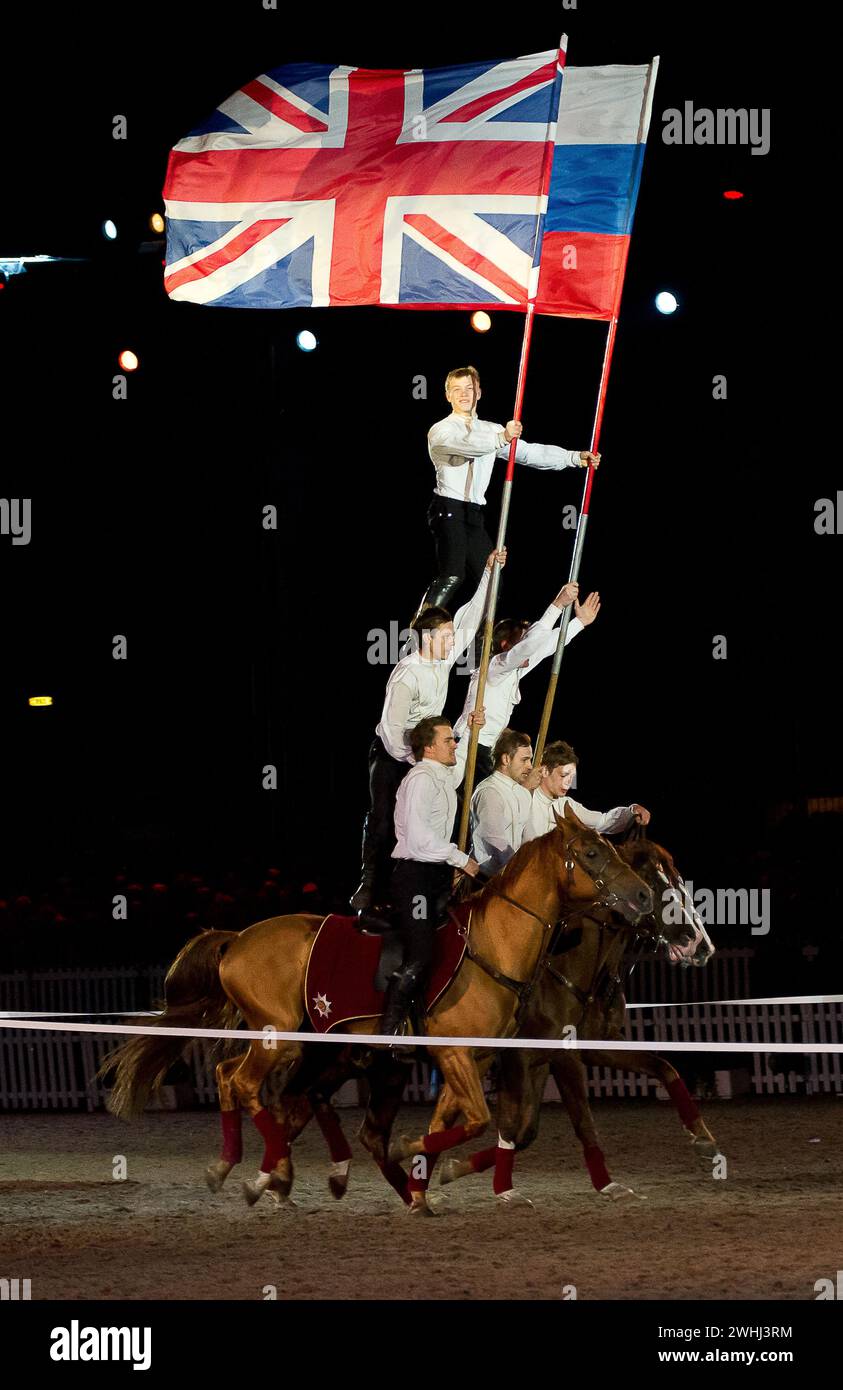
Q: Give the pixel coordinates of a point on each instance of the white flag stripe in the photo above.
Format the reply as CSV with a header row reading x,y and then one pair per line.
x,y
267,253
603,106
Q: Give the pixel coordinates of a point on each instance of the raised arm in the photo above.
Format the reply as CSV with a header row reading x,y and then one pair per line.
x,y
468,618
604,822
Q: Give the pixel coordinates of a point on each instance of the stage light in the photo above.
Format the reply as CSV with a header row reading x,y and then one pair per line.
x,y
480,321
109,230
666,303
128,360
37,700
306,340
156,222
732,193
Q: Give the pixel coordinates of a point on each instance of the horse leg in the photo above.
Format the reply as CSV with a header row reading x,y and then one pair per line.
x,y
459,1071
387,1082
232,1126
570,1076
276,1168
702,1140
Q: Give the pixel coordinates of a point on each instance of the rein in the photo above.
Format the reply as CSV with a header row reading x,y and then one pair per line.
x,y
607,899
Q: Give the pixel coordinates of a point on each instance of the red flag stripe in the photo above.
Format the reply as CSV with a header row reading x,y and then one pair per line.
x,y
279,106
481,104
226,254
466,256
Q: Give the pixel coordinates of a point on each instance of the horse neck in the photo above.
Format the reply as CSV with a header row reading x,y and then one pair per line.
x,y
597,950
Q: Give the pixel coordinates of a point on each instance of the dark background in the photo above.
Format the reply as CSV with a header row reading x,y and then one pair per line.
x,y
247,647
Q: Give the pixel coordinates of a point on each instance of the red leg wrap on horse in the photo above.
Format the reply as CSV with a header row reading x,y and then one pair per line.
x,y
397,1178
688,1108
275,1140
504,1159
596,1165
328,1122
444,1139
425,1171
232,1136
483,1159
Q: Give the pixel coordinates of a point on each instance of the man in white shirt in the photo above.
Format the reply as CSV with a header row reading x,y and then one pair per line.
x,y
500,807
424,860
463,451
518,646
416,690
559,765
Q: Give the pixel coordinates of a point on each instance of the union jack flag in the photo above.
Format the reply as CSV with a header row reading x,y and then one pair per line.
x,y
317,185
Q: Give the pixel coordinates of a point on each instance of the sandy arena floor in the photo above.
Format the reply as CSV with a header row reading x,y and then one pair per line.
x,y
770,1230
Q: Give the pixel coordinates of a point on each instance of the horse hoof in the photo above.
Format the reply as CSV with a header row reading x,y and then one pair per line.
x,y
338,1178
448,1171
252,1193
401,1148
216,1174
283,1202
705,1149
513,1198
616,1192
421,1209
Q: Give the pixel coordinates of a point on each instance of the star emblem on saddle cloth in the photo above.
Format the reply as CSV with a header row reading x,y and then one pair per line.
x,y
322,1005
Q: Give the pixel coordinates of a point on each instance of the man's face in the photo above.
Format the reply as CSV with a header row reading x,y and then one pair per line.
x,y
439,641
462,394
520,765
443,749
558,782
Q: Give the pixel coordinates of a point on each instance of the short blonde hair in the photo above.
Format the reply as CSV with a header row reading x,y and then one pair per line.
x,y
462,371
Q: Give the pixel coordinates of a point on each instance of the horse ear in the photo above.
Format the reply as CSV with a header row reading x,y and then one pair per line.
x,y
568,818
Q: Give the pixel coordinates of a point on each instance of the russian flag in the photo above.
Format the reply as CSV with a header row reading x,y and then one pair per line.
x,y
604,117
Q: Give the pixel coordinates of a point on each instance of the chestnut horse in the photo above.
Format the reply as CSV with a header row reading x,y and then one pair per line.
x,y
258,975
580,987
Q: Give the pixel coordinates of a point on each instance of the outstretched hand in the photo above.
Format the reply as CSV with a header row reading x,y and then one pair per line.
x,y
589,608
587,458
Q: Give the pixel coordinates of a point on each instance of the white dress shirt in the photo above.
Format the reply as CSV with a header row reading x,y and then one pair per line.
x,y
503,679
417,688
500,809
425,810
604,822
463,452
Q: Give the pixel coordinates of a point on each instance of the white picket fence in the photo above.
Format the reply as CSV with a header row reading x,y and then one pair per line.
x,y
46,1070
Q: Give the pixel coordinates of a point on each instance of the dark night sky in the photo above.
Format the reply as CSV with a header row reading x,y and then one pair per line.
x,y
245,648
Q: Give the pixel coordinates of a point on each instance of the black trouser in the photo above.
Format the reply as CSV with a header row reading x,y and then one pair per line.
x,y
462,546
385,777
419,892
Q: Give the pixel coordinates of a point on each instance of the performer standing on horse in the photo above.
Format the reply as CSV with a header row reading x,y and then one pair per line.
x,y
424,858
559,764
416,690
518,647
463,451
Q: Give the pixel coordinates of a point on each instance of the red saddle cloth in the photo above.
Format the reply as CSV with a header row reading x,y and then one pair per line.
x,y
339,983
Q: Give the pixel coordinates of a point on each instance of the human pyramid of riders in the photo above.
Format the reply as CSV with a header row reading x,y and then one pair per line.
x,y
417,760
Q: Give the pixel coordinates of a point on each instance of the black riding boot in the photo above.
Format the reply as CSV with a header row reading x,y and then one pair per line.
x,y
399,993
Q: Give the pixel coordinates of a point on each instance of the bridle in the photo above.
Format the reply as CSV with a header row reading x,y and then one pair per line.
x,y
604,873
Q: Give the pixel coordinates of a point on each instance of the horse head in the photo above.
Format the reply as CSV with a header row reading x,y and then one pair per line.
x,y
592,871
677,924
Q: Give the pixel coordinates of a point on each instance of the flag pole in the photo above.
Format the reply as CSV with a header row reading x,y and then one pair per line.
x,y
494,583
579,541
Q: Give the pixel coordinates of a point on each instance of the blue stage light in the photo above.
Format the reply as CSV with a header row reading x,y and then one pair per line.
x,y
109,230
306,340
666,303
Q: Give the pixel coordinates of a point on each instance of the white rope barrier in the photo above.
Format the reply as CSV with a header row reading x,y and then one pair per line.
x,y
271,1036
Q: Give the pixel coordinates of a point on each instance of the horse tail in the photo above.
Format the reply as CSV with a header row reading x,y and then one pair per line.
x,y
193,998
